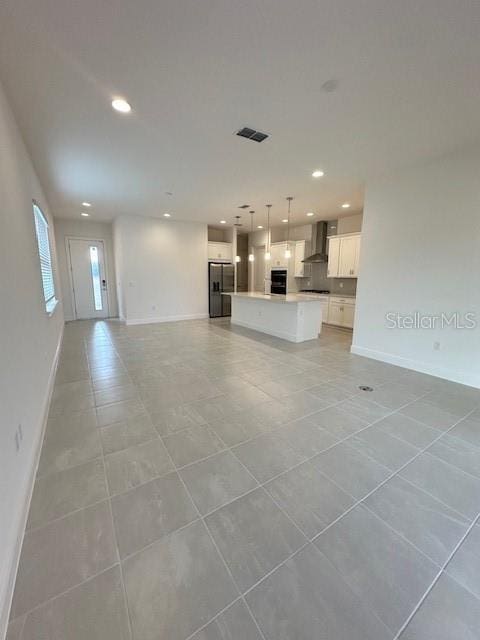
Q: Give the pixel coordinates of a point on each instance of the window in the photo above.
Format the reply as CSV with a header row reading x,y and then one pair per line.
x,y
97,292
43,241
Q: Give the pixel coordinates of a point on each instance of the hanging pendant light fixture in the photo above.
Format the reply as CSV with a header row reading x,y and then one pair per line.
x,y
268,254
251,256
288,253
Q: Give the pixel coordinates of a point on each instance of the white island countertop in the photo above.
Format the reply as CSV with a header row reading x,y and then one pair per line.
x,y
274,297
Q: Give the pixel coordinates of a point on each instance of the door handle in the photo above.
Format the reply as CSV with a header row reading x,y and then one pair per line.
x,y
104,284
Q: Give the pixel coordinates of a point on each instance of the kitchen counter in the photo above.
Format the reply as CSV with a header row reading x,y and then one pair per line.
x,y
294,317
274,297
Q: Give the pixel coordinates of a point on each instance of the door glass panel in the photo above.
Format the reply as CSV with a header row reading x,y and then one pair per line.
x,y
97,290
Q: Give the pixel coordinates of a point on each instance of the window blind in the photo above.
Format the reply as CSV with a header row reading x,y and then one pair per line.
x,y
41,228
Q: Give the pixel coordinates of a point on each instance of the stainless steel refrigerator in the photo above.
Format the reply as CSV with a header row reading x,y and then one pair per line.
x,y
220,279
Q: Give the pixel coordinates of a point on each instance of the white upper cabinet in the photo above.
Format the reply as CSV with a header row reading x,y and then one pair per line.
x,y
333,256
343,256
277,253
220,251
302,251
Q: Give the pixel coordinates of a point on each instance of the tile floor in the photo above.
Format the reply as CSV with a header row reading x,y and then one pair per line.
x,y
198,482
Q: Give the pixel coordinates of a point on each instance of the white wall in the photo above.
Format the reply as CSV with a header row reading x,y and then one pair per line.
x,y
29,340
162,269
84,228
421,252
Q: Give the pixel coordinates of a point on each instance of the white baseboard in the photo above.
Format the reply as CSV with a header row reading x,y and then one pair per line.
x,y
271,332
468,378
22,520
193,316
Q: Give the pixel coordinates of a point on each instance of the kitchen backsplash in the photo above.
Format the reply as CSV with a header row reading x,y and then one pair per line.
x,y
319,280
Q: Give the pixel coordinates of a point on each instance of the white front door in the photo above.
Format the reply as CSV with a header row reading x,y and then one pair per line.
x,y
89,283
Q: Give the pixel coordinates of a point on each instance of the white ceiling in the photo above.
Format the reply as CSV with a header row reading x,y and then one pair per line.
x,y
195,71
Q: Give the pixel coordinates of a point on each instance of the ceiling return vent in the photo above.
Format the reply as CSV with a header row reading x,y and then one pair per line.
x,y
251,134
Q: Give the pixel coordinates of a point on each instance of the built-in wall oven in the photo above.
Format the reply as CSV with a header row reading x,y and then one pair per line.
x,y
279,281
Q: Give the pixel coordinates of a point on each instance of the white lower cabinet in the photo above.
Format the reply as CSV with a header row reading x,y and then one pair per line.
x,y
341,312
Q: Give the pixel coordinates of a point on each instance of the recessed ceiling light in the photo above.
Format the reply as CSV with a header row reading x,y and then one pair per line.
x,y
121,105
259,226
310,214
84,214
285,220
86,204
166,215
317,174
223,222
345,205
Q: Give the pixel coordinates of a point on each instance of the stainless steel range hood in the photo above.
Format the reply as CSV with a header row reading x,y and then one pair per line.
x,y
320,254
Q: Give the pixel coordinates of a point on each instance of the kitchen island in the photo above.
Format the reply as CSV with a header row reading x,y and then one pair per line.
x,y
294,317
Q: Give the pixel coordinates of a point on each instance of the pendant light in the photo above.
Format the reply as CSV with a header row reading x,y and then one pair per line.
x,y
268,255
251,256
288,253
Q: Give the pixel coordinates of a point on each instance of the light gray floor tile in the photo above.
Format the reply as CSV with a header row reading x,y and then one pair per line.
x,y
310,498
134,466
125,434
15,628
175,418
60,493
94,610
427,523
248,397
235,623
305,437
216,481
213,409
301,404
306,599
384,570
409,430
447,483
70,439
163,584
238,428
254,536
72,396
458,452
363,408
118,380
382,447
458,402
468,429
193,444
124,410
339,423
449,612
62,554
351,470
330,393
116,394
430,415
465,564
392,395
267,456
147,513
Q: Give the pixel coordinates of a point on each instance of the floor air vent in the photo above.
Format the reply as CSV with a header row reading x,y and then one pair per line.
x,y
251,134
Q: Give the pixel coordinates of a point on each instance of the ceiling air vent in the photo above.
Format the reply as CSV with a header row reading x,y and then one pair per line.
x,y
244,206
251,134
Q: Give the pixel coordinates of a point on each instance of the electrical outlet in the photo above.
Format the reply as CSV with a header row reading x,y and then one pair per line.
x,y
436,346
18,437
154,307
341,285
